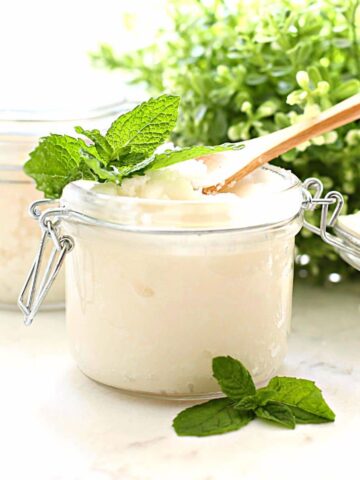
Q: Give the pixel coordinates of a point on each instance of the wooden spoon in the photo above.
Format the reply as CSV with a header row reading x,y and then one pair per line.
x,y
229,167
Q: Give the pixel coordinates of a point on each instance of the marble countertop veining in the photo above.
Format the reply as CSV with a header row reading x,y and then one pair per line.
x,y
56,424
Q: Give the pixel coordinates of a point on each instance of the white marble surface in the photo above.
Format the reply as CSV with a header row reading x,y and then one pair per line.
x,y
56,424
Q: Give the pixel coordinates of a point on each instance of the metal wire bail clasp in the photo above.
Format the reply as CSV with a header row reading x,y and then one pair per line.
x,y
34,290
313,190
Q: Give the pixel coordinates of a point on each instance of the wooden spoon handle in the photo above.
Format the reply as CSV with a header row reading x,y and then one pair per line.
x,y
282,141
332,118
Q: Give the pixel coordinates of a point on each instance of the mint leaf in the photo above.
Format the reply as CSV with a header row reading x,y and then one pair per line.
x,y
146,127
278,413
211,418
57,161
302,396
170,157
101,144
234,380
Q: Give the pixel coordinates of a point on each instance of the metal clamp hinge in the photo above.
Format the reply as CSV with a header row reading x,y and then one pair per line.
x,y
35,289
327,218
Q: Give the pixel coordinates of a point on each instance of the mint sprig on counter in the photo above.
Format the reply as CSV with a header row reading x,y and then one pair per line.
x,y
286,401
126,149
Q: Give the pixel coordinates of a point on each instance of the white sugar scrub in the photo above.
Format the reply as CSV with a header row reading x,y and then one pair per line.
x,y
255,200
184,181
163,278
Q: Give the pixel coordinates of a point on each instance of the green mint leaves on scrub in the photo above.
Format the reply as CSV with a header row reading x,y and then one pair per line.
x,y
126,149
285,401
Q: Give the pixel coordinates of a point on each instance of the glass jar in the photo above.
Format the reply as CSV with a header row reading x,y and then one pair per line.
x,y
19,134
19,237
157,288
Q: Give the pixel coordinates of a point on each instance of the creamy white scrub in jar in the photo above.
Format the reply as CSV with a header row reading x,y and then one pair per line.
x,y
162,278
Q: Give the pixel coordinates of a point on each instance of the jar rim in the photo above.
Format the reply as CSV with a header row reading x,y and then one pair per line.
x,y
214,213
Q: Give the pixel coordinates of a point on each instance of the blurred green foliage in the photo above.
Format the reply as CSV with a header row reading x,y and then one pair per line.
x,y
246,68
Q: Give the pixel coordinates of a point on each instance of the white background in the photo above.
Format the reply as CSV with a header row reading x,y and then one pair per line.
x,y
44,47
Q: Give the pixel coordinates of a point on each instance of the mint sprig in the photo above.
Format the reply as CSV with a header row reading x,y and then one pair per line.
x,y
126,149
286,401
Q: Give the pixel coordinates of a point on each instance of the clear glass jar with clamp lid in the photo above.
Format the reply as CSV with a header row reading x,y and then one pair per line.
x,y
156,288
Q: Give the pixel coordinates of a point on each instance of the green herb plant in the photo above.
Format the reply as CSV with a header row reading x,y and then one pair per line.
x,y
285,401
244,69
127,148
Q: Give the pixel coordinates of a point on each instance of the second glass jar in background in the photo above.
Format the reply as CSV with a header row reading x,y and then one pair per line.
x,y
19,134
